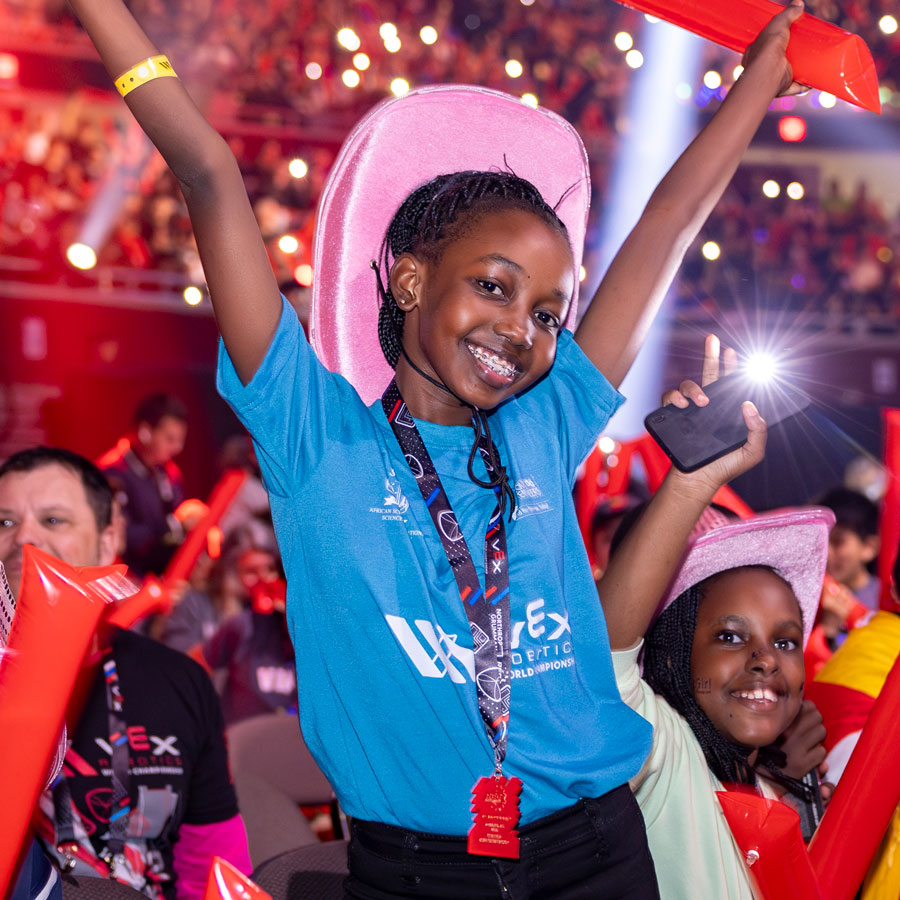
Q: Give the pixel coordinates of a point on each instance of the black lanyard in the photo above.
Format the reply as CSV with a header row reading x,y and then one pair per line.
x,y
120,803
487,609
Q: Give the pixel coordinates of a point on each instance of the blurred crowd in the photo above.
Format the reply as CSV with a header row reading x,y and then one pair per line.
x,y
829,252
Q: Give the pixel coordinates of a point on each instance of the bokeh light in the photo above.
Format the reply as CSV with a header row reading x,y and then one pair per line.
x,y
634,59
192,295
623,41
771,188
392,44
530,100
606,444
513,68
737,72
313,71
9,67
387,30
361,61
298,168
888,24
348,39
399,87
711,250
712,79
791,128
287,243
350,77
827,100
81,256
795,190
428,34
303,274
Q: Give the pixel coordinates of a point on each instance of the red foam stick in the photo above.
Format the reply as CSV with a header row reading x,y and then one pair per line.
x,y
890,507
768,834
225,882
152,598
56,616
821,55
222,496
863,801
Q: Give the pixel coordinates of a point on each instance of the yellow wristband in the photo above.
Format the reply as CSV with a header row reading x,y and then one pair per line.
x,y
155,67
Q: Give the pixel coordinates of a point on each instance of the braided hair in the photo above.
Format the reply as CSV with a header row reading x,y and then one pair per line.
x,y
667,669
437,213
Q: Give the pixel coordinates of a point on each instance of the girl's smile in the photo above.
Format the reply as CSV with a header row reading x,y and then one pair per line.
x,y
747,658
482,318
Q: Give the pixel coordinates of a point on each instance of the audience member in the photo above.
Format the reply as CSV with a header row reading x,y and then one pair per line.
x,y
171,775
148,483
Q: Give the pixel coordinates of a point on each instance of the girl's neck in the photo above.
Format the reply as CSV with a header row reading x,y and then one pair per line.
x,y
427,401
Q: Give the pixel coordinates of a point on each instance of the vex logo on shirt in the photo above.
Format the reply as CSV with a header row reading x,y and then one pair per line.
x,y
540,642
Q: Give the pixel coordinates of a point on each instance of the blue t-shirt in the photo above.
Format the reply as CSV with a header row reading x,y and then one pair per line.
x,y
384,653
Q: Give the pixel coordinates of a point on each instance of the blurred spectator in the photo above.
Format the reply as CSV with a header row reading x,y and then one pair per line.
x,y
148,483
854,544
173,771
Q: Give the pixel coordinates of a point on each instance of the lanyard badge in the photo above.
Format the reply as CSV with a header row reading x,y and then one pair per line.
x,y
495,798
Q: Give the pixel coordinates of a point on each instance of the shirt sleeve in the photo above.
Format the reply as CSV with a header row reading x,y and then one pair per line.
x,y
290,404
211,796
576,398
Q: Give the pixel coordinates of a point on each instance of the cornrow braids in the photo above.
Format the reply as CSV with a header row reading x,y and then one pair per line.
x,y
440,211
667,669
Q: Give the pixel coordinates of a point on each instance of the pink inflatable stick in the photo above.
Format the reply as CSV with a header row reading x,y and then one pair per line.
x,y
822,55
56,615
863,801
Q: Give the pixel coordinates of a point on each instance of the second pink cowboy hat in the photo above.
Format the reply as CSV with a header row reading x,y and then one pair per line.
x,y
792,542
398,146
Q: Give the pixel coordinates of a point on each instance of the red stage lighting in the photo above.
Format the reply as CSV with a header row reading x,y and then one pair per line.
x,y
791,128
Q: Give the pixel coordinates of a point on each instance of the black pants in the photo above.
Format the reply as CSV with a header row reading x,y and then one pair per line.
x,y
595,849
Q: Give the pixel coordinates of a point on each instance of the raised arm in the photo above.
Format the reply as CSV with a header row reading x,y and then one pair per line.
x,y
645,562
241,283
621,312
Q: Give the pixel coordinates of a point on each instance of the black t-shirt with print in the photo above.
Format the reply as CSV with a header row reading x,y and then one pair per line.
x,y
178,760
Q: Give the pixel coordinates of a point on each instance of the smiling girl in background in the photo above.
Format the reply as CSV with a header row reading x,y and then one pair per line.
x,y
722,659
450,649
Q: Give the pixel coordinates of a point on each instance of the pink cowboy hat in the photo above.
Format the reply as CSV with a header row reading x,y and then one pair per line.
x,y
399,145
792,542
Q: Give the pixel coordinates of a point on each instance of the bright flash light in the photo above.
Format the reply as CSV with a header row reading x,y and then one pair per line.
x,y
710,250
313,71
428,34
826,100
392,43
712,80
795,190
634,59
623,41
348,39
361,61
771,189
287,243
81,256
888,24
350,78
192,295
530,100
761,367
399,87
303,274
388,30
606,445
513,68
298,168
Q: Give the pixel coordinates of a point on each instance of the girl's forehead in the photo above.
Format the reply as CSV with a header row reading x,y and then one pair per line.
x,y
749,590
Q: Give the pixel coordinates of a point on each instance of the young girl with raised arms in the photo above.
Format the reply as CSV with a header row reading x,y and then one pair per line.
x,y
716,665
452,657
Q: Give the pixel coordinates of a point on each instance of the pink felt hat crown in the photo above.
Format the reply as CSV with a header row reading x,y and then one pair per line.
x,y
792,542
400,145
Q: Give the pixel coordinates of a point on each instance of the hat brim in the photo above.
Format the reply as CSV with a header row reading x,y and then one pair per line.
x,y
402,144
792,542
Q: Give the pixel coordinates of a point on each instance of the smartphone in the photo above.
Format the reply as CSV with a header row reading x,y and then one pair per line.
x,y
695,436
